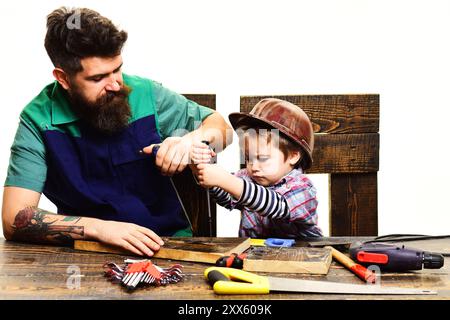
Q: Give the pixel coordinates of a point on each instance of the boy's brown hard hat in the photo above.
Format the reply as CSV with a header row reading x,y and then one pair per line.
x,y
290,119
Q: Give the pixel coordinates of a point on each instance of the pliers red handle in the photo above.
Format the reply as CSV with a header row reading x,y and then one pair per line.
x,y
232,261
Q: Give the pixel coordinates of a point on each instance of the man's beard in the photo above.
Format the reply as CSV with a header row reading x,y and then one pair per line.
x,y
108,115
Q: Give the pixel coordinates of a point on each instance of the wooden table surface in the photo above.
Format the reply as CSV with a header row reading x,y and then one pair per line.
x,y
29,271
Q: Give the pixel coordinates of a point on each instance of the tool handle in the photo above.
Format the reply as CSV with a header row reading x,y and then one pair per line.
x,y
232,261
155,150
222,282
278,242
215,275
210,148
362,272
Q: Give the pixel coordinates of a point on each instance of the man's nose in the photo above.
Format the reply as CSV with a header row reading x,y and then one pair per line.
x,y
113,85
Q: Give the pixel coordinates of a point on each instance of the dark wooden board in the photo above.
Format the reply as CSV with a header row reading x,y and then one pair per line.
x,y
288,260
332,113
345,153
206,100
354,204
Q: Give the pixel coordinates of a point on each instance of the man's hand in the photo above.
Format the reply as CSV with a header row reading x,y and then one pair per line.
x,y
173,154
134,238
23,221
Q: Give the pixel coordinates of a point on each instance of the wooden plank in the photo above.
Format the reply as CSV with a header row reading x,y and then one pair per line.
x,y
193,196
354,206
288,260
196,249
345,153
332,113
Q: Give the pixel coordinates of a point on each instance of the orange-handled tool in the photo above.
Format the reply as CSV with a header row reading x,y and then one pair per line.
x,y
361,271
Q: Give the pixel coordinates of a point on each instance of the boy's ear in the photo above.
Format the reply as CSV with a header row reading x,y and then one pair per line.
x,y
62,78
294,157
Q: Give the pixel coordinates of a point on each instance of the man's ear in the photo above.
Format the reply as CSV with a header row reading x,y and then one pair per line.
x,y
61,77
294,157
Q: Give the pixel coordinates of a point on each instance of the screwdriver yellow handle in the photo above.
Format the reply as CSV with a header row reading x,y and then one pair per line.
x,y
222,281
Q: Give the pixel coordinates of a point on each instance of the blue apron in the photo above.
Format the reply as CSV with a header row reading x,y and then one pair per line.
x,y
108,178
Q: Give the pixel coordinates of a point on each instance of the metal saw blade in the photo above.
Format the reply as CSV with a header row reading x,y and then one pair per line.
x,y
312,286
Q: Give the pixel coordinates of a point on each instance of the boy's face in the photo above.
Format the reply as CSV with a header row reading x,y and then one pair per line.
x,y
265,162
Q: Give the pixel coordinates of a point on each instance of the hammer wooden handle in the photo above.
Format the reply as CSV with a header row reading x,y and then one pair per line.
x,y
356,268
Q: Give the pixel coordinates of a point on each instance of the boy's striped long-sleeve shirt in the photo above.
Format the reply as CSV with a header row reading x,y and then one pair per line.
x,y
286,209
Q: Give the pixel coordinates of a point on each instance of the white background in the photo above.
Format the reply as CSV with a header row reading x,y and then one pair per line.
x,y
398,49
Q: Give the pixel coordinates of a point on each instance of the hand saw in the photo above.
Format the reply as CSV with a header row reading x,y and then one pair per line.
x,y
222,280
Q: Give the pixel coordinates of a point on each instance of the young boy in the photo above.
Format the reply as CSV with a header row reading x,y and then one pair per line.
x,y
275,198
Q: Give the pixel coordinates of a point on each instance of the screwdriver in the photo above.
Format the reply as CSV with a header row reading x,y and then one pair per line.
x,y
154,152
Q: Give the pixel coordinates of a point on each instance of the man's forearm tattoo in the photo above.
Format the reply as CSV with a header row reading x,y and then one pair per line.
x,y
36,225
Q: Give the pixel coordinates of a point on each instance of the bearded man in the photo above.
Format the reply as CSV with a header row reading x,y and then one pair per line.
x,y
84,140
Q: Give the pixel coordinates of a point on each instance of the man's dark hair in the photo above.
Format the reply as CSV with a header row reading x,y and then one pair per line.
x,y
74,34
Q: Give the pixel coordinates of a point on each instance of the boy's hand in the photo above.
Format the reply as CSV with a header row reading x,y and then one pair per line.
x,y
201,153
211,175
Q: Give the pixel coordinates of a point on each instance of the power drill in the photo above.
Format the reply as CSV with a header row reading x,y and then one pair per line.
x,y
391,257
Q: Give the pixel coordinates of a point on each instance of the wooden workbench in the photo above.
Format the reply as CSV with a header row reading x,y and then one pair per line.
x,y
29,271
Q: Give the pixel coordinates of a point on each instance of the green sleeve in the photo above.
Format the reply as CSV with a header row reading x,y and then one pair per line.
x,y
176,114
27,166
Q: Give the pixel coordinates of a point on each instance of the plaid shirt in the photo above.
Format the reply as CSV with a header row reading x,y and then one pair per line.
x,y
286,209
